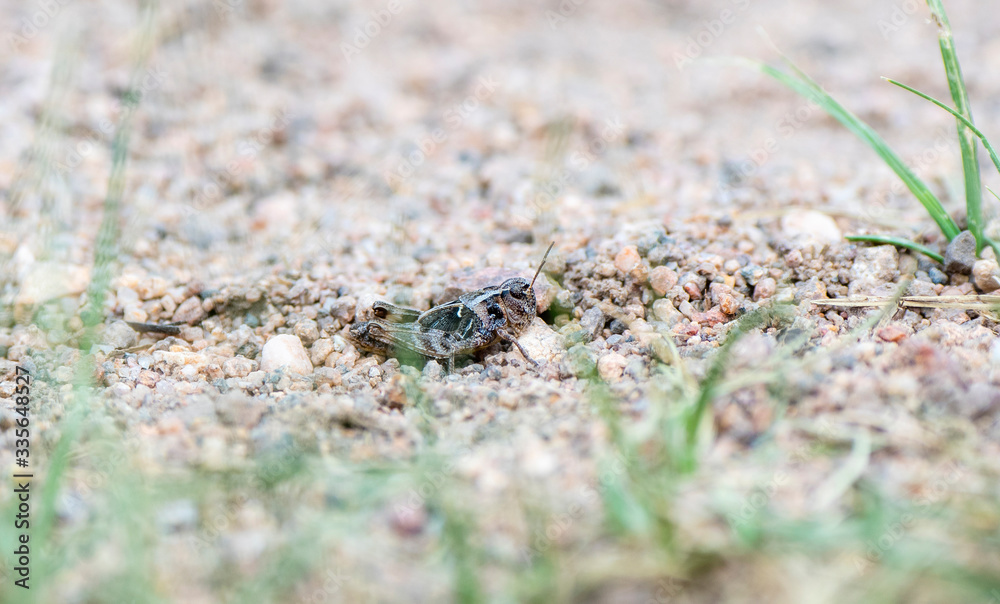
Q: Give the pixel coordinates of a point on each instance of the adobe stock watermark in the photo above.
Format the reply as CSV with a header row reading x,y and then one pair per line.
x,y
545,194
785,128
152,79
247,151
224,515
333,583
565,10
710,31
762,494
930,156
364,34
416,498
30,26
875,549
225,8
558,524
427,146
666,590
898,17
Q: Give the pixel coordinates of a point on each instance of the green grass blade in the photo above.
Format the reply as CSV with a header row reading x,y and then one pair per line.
x,y
990,242
970,161
982,137
899,242
809,89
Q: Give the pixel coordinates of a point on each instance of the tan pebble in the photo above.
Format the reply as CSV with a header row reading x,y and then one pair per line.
x,y
191,334
662,279
665,311
986,274
168,304
691,288
285,351
134,314
328,375
307,331
636,310
148,378
190,311
126,296
320,350
764,289
255,379
509,400
605,269
687,329
710,317
154,287
611,366
729,304
627,259
237,367
892,333
812,226
541,342
214,372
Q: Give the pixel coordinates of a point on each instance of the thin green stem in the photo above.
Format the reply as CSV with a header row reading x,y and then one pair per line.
x,y
966,140
897,241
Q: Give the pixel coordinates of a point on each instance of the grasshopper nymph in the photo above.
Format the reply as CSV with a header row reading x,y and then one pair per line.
x,y
472,322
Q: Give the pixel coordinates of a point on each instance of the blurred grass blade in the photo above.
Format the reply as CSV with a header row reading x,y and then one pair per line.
x,y
808,88
849,473
966,142
897,241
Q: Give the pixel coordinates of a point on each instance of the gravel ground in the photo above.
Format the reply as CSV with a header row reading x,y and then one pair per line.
x,y
286,170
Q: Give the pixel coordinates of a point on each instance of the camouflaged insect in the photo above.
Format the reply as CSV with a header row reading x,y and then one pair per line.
x,y
460,327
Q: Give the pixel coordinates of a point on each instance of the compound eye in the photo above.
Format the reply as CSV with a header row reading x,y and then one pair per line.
x,y
518,290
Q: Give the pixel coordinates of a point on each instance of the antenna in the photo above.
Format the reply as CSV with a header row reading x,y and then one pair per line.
x,y
541,265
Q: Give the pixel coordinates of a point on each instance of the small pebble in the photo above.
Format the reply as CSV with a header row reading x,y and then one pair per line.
x,y
662,279
134,314
691,288
960,254
190,311
611,366
126,296
937,276
120,335
986,275
285,351
873,267
237,367
665,311
892,333
628,259
592,322
327,375
307,331
764,289
320,350
810,225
